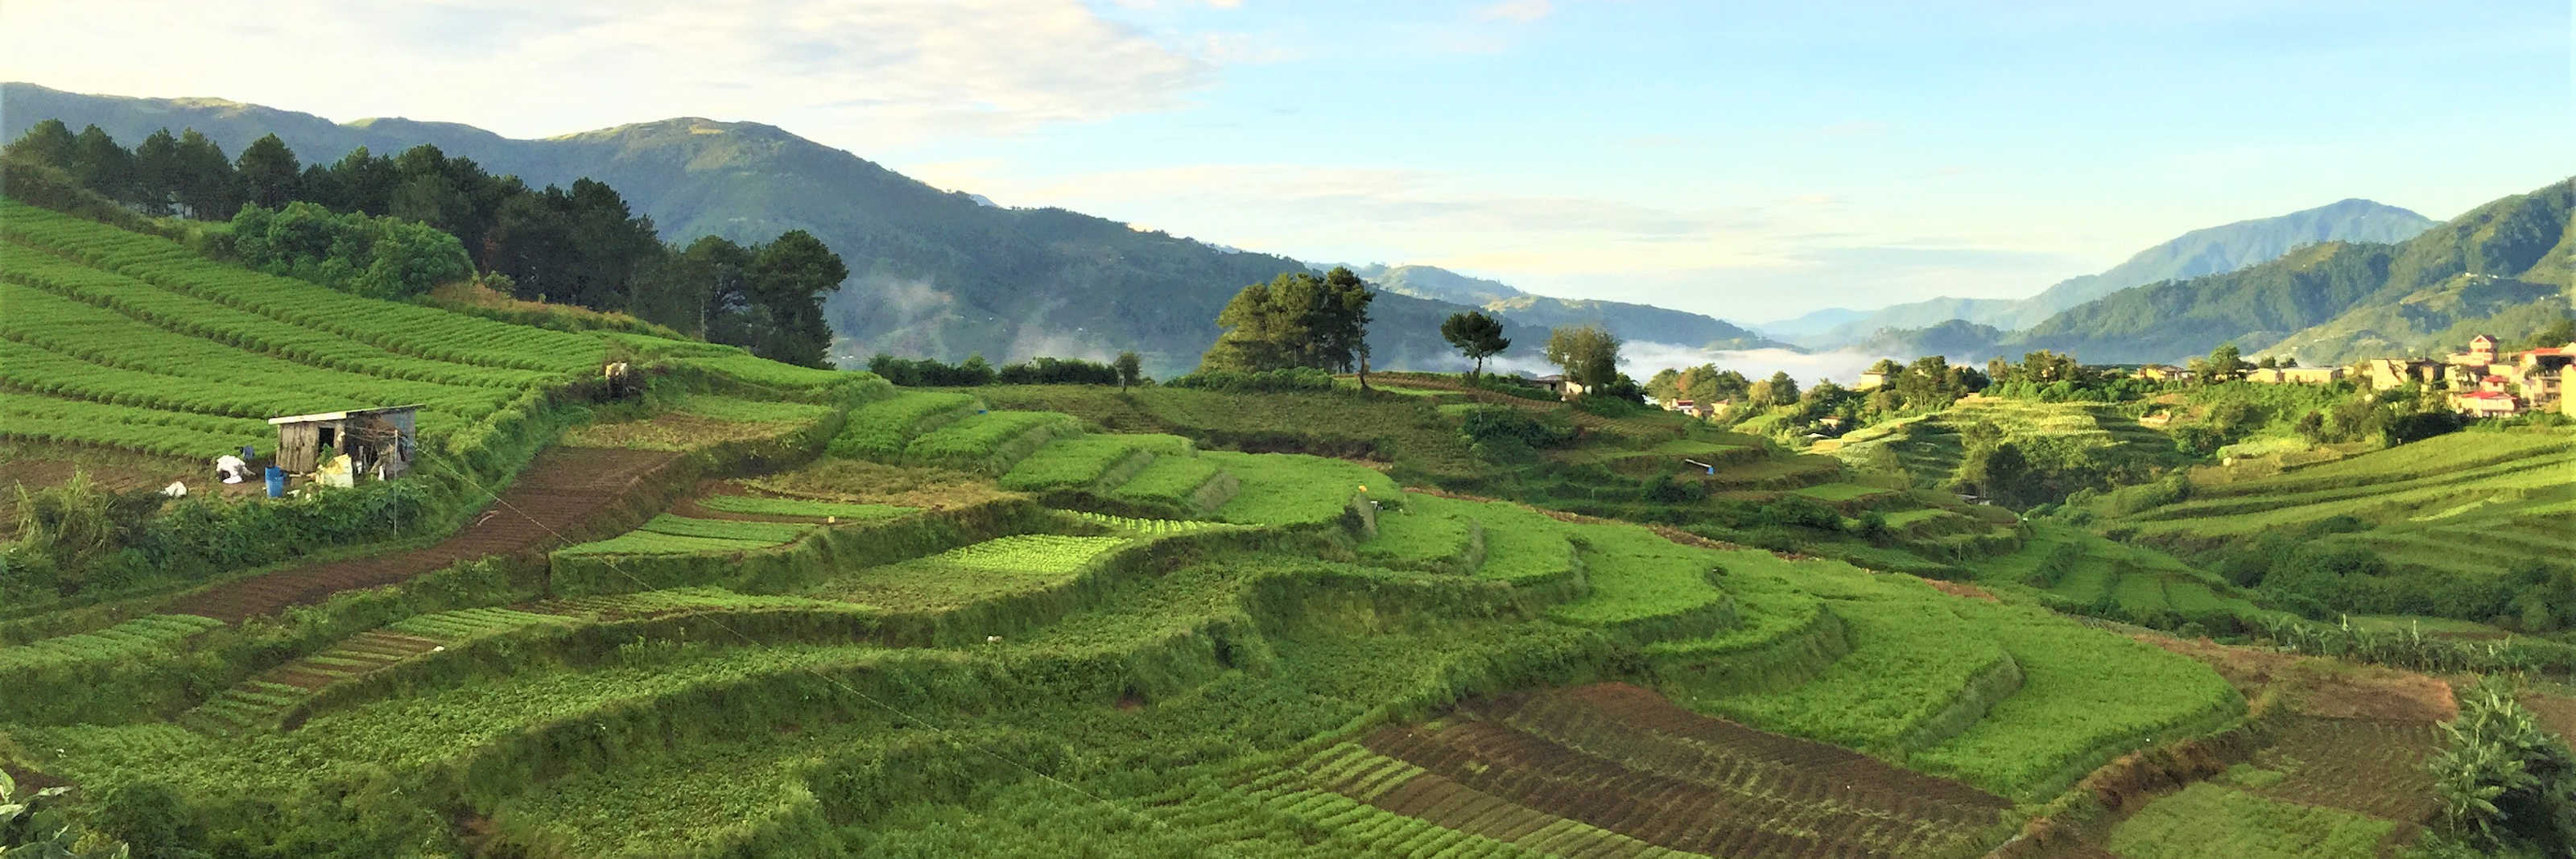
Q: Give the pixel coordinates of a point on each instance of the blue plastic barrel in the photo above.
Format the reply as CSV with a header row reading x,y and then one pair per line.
x,y
276,482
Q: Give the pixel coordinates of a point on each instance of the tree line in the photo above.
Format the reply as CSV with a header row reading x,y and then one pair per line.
x,y
582,245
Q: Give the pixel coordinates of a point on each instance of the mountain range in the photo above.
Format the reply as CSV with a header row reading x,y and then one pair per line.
x,y
2211,250
948,273
938,273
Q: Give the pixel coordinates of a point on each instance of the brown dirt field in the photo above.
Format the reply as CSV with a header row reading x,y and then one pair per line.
x,y
563,489
2315,686
2371,766
1624,759
2557,713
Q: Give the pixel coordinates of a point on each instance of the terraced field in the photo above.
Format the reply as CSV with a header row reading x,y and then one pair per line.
x,y
1927,449
2470,503
910,624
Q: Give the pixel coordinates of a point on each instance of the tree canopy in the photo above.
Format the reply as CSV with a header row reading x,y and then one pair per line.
x,y
1476,336
1295,320
1589,354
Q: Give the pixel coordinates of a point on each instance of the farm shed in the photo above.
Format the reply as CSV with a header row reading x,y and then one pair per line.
x,y
376,440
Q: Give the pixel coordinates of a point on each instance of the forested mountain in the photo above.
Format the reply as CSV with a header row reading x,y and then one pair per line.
x,y
1629,321
2504,264
933,272
2212,250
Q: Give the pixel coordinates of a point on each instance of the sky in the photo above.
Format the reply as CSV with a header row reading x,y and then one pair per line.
x,y
1747,160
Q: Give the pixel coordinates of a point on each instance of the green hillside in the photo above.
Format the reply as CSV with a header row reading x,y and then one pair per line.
x,y
761,610
933,273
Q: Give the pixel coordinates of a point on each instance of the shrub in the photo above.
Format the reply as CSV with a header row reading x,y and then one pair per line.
x,y
359,253
1261,382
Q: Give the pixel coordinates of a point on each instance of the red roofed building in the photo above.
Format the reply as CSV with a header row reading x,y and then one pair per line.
x,y
2485,404
2495,384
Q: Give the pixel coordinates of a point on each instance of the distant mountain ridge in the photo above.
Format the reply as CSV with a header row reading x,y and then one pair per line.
x,y
1629,321
2210,250
2505,268
933,272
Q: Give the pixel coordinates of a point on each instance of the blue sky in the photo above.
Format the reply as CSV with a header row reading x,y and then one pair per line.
x,y
1750,160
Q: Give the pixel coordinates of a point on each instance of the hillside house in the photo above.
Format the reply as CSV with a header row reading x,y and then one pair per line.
x,y
2386,374
379,441
1679,406
2493,383
1869,380
1562,387
2567,382
2482,351
2165,373
2486,404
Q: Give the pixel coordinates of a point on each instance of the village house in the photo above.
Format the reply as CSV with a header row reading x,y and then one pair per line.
x,y
1868,380
2388,374
2541,374
2566,382
2485,404
1562,387
2165,373
2482,352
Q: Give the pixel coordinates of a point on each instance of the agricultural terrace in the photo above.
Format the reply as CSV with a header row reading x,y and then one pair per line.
x,y
1927,449
2469,503
125,341
1050,620
1252,679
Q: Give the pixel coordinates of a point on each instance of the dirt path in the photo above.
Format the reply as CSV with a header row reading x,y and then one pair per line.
x,y
561,491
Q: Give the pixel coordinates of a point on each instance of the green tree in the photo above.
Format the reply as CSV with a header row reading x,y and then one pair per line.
x,y
158,172
1589,354
1295,320
49,143
1131,370
269,173
2559,332
1476,336
1779,390
104,166
2225,363
790,276
207,186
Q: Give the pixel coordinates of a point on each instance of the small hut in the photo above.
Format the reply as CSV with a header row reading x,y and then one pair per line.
x,y
379,441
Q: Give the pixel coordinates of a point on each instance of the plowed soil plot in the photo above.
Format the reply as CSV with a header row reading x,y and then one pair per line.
x,y
2372,766
563,489
1623,759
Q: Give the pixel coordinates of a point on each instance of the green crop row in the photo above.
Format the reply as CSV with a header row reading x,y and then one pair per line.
x,y
1168,480
1135,525
729,529
2085,698
411,329
1294,489
36,370
1910,663
197,317
2186,824
668,534
1418,537
974,442
757,505
104,337
1082,460
879,430
182,434
122,641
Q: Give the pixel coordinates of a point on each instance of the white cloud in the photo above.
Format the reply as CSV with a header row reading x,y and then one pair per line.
x,y
869,73
1521,11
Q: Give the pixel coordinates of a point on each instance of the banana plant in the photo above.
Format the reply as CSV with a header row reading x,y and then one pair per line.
x,y
25,834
